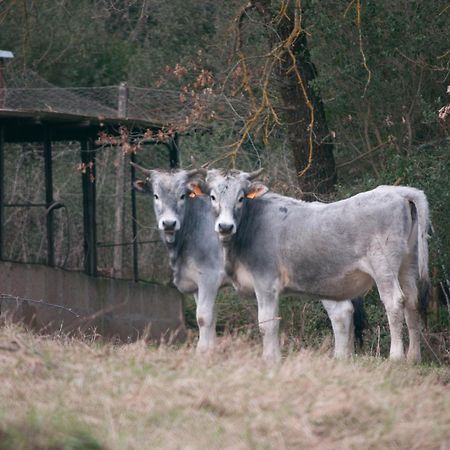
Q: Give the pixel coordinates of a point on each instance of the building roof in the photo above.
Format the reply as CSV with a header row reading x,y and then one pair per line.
x,y
5,54
28,102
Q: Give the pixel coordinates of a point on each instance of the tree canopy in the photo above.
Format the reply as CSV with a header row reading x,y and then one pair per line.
x,y
380,68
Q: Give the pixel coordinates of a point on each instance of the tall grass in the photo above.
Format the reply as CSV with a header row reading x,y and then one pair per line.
x,y
61,393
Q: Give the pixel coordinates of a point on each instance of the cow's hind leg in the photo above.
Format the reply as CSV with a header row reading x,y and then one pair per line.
x,y
206,317
412,316
392,297
341,316
269,323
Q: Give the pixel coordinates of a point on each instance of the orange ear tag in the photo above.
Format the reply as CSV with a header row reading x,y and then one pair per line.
x,y
251,194
196,191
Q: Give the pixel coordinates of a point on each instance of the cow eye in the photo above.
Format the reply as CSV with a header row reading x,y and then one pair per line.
x,y
241,199
155,196
182,196
213,197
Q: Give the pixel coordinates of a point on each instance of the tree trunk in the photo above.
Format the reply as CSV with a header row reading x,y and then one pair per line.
x,y
318,171
313,152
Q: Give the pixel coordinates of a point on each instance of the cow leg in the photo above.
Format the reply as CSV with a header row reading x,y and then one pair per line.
x,y
392,297
341,316
269,323
206,317
412,316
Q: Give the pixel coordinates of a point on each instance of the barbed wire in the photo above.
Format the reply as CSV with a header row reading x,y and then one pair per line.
x,y
38,302
80,319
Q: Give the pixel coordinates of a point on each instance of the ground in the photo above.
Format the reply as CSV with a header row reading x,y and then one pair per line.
x,y
65,393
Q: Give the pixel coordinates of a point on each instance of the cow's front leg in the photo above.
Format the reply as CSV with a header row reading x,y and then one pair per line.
x,y
341,316
206,317
269,323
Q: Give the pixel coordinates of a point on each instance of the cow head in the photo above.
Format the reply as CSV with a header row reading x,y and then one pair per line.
x,y
170,192
229,191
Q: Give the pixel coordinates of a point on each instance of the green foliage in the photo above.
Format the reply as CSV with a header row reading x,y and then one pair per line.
x,y
404,45
36,434
87,43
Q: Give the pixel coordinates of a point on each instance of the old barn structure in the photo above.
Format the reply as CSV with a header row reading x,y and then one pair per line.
x,y
40,126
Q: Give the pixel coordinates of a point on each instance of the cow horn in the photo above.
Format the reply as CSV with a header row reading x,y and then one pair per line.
x,y
201,171
142,169
255,174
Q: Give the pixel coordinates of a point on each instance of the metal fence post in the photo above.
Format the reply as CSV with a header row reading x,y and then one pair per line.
x,y
89,207
49,198
134,221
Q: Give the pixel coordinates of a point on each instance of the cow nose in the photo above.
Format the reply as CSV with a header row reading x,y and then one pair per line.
x,y
169,225
226,228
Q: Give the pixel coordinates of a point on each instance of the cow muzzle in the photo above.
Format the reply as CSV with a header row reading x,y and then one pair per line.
x,y
169,227
225,230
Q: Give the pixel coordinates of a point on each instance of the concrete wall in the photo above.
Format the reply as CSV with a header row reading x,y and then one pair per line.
x,y
114,308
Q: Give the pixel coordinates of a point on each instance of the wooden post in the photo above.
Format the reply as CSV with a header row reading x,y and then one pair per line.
x,y
118,214
122,110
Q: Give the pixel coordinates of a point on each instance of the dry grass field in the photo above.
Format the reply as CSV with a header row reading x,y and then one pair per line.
x,y
60,393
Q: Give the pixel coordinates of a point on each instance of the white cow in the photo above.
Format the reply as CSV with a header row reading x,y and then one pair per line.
x,y
275,244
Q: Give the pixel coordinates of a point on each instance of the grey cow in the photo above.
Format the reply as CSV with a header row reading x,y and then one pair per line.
x,y
186,222
275,244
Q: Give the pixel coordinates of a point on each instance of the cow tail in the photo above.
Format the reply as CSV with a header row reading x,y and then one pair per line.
x,y
420,202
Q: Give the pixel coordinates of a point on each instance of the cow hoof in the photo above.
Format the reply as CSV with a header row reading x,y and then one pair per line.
x,y
414,358
397,358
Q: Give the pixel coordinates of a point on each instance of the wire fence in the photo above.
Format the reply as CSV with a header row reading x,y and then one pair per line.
x,y
27,91
25,237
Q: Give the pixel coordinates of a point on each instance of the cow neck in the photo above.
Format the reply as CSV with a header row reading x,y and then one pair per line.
x,y
241,243
183,237
173,248
229,256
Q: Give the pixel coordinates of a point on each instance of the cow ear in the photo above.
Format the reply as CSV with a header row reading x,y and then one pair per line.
x,y
196,189
142,186
256,190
